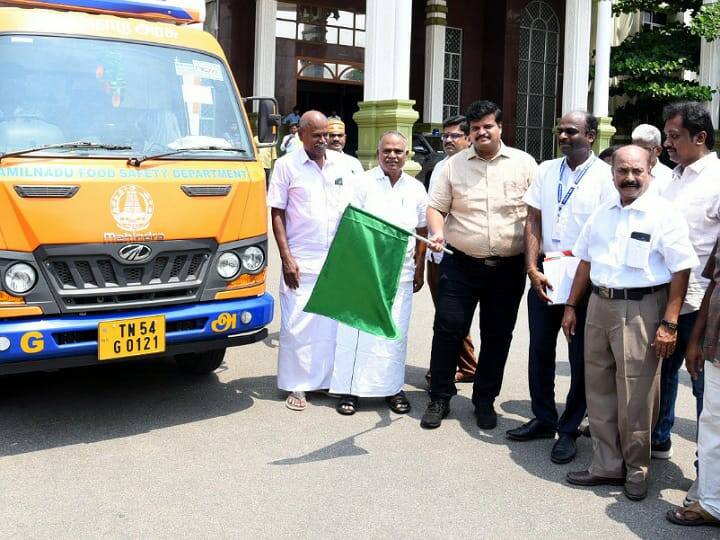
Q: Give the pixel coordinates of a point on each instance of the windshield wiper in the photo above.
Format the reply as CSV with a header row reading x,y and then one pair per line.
x,y
137,161
75,145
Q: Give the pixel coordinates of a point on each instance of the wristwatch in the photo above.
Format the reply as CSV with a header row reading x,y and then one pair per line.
x,y
669,325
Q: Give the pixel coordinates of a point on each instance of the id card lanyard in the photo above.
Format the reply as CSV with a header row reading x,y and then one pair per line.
x,y
562,200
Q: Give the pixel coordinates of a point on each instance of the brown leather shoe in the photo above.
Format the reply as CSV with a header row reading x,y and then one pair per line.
x,y
636,491
586,478
464,377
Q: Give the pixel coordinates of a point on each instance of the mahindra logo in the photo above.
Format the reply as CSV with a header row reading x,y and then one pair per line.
x,y
135,252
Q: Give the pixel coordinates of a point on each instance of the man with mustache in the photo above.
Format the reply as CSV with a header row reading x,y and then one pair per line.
x,y
560,200
480,192
336,141
454,138
695,190
636,258
309,190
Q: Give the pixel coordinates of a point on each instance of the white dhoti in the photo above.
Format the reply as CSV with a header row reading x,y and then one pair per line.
x,y
708,482
307,341
371,366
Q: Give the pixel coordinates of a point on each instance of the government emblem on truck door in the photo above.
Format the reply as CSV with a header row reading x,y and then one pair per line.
x,y
132,207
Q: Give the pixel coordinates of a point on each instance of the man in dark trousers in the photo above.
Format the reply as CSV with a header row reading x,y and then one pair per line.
x,y
560,200
480,193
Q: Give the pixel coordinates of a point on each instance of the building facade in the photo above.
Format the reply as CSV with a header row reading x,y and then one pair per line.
x,y
407,64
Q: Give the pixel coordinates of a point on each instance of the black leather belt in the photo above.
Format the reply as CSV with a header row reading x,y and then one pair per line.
x,y
486,261
626,294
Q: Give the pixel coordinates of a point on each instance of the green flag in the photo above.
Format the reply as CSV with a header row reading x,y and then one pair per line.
x,y
359,280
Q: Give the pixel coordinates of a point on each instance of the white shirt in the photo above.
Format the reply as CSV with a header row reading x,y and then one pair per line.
x,y
661,177
695,191
619,261
313,200
595,187
439,166
430,255
404,205
353,163
290,142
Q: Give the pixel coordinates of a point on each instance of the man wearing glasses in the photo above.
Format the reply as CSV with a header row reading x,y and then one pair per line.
x,y
454,138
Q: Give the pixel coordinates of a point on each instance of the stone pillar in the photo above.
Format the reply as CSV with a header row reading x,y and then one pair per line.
x,y
601,95
435,22
264,65
386,105
710,74
576,66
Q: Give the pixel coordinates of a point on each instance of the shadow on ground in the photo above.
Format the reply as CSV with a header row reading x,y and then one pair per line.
x,y
89,404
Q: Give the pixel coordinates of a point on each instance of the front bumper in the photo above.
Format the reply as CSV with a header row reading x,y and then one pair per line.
x,y
55,342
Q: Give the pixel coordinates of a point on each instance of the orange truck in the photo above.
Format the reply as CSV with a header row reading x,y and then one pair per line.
x,y
132,202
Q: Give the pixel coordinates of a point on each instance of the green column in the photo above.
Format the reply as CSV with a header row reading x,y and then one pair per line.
x,y
375,118
605,134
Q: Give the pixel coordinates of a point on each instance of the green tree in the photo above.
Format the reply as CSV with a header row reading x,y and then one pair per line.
x,y
649,64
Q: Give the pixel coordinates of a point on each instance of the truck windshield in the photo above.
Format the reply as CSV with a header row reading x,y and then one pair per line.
x,y
125,98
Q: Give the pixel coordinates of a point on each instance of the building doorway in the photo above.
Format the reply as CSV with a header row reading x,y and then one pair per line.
x,y
327,97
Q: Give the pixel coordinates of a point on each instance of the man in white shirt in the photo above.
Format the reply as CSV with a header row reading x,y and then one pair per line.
x,y
291,141
695,191
455,137
632,249
649,138
560,200
337,138
367,365
309,190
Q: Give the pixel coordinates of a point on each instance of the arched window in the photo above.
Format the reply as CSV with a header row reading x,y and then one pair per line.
x,y
537,79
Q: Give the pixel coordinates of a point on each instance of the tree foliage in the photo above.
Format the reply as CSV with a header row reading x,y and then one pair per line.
x,y
650,64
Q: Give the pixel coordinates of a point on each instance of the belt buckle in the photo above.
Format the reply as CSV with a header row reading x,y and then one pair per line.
x,y
489,262
604,292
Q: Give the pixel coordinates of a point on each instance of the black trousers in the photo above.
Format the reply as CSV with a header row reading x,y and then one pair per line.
x,y
545,322
465,282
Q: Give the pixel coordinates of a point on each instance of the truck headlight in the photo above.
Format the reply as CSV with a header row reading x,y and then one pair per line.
x,y
253,258
20,278
228,265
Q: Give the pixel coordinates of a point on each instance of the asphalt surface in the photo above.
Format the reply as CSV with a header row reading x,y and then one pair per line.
x,y
141,451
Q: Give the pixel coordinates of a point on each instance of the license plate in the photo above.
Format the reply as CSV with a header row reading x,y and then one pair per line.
x,y
131,337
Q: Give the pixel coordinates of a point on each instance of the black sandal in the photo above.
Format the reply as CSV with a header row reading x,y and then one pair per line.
x,y
347,405
398,403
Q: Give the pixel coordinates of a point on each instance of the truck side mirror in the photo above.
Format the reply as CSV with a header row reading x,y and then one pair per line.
x,y
268,120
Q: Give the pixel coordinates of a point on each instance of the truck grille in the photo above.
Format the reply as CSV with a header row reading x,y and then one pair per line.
x,y
102,282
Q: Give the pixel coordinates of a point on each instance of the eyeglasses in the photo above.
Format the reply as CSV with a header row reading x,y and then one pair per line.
x,y
453,136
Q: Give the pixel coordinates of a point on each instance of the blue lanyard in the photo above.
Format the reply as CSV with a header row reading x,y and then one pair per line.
x,y
562,201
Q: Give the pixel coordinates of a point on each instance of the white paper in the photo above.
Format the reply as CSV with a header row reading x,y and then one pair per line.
x,y
194,93
560,272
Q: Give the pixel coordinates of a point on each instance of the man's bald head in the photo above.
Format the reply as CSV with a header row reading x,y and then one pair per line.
x,y
631,166
314,133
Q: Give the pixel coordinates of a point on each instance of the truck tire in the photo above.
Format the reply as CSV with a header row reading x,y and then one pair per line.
x,y
200,363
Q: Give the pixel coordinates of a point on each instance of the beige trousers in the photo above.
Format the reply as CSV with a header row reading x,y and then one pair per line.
x,y
622,378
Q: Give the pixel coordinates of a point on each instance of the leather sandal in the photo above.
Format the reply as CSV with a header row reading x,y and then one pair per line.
x,y
398,403
347,405
693,516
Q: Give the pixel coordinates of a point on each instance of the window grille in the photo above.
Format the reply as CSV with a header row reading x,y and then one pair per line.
x,y
537,80
453,72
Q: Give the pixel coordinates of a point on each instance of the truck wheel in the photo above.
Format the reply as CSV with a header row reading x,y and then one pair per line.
x,y
200,363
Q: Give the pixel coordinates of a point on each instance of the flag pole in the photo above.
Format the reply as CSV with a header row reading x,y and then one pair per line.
x,y
428,242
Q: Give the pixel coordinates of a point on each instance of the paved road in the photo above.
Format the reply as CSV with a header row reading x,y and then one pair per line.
x,y
140,451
